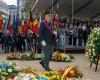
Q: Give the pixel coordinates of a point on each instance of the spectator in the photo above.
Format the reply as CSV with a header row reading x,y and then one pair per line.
x,y
71,33
80,32
85,34
75,35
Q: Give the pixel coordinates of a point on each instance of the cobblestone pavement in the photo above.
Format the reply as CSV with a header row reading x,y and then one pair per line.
x,y
80,59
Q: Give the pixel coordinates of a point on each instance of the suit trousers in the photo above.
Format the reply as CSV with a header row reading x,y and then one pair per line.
x,y
48,52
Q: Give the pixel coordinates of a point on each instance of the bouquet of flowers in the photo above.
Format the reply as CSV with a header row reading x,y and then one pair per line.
x,y
61,57
72,72
69,73
8,70
52,75
27,56
28,70
13,56
25,76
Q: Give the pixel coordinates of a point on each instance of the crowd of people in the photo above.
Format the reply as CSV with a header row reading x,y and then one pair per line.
x,y
25,36
18,36
76,33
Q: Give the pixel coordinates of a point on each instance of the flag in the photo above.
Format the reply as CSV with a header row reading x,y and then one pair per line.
x,y
22,29
9,21
28,24
1,23
36,26
56,22
31,19
18,23
6,25
10,30
14,24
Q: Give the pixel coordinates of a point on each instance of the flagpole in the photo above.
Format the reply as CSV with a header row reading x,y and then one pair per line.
x,y
72,10
52,12
52,5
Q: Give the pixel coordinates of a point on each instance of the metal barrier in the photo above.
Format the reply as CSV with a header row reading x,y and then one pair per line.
x,y
63,43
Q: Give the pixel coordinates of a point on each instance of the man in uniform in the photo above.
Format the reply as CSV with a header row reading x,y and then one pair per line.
x,y
47,40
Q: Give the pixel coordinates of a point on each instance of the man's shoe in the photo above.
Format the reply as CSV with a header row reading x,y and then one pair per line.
x,y
42,64
48,69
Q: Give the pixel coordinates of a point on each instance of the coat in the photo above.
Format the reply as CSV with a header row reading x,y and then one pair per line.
x,y
45,34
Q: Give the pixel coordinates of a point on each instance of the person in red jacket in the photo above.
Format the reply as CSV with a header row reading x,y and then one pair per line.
x,y
10,38
21,38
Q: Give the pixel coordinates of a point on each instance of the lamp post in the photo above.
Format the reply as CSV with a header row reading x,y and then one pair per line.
x,y
72,10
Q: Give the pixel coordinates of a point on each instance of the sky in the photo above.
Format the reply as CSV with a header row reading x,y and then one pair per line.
x,y
11,2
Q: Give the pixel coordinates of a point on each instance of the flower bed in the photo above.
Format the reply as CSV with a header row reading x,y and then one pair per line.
x,y
69,73
59,57
8,70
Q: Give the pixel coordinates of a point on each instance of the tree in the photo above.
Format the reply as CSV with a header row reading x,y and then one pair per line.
x,y
28,6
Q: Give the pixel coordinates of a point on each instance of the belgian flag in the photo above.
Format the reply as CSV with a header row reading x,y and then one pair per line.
x,y
1,23
31,19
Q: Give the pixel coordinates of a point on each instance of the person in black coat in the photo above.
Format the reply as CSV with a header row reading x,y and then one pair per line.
x,y
46,40
80,35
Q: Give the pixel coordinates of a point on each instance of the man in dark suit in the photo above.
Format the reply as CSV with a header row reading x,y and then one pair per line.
x,y
47,40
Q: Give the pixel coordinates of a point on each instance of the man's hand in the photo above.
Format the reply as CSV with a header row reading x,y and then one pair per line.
x,y
44,43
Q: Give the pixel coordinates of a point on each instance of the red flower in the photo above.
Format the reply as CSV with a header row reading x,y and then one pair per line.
x,y
75,67
67,76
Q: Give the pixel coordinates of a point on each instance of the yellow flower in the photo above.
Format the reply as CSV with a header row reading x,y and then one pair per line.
x,y
68,79
53,77
71,71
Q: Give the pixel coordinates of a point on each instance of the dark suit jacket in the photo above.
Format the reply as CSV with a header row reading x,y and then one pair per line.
x,y
45,34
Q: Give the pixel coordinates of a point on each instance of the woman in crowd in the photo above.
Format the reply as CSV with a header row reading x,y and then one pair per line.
x,y
75,36
71,33
85,34
80,33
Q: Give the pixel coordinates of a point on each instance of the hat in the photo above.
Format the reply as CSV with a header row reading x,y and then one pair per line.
x,y
48,12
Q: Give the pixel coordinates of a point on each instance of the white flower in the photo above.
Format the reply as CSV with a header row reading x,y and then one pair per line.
x,y
27,54
16,78
32,76
4,78
16,67
0,70
10,63
93,45
9,70
93,50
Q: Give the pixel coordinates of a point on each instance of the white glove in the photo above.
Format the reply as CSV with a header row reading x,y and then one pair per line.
x,y
43,43
54,32
30,31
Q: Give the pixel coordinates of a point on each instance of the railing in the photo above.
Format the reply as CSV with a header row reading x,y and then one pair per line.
x,y
63,43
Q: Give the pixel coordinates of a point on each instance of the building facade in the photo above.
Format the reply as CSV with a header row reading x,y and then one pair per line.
x,y
12,11
4,9
20,4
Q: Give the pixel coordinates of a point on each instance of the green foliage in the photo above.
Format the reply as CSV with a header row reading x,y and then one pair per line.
x,y
28,5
